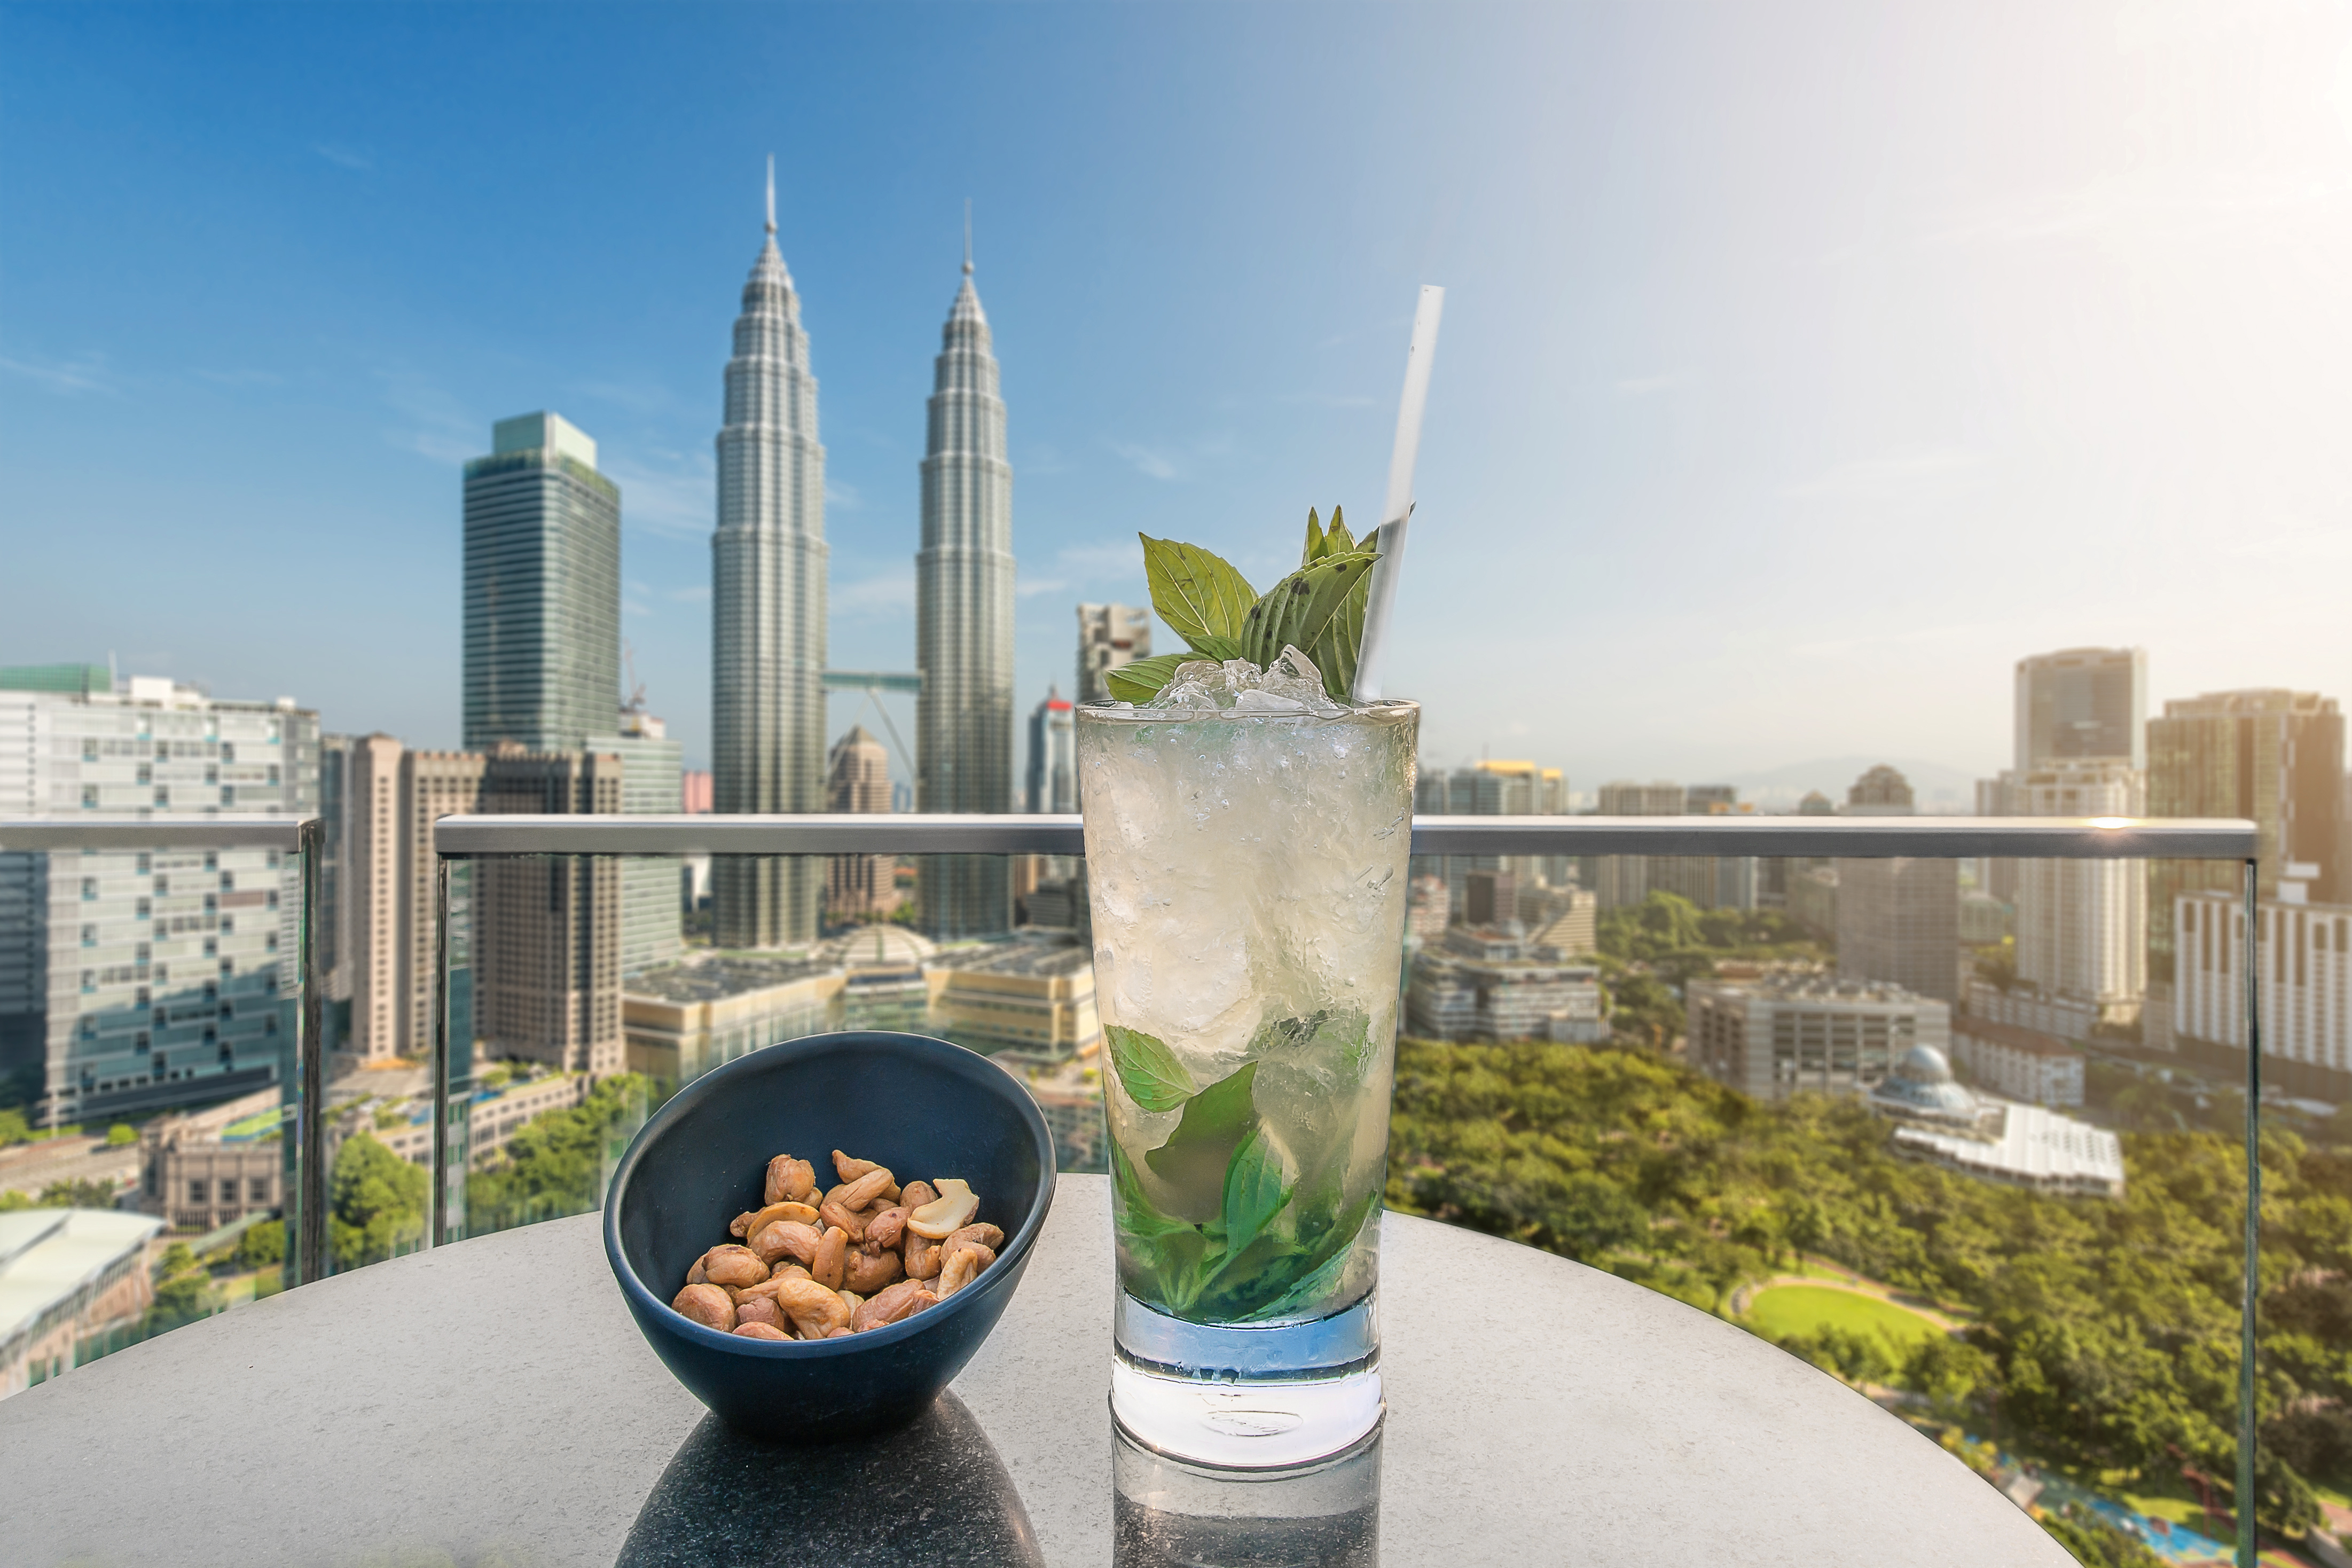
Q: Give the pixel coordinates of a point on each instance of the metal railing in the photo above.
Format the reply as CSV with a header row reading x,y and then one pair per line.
x,y
305,837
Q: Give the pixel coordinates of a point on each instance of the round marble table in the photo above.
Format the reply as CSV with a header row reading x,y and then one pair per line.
x,y
491,1404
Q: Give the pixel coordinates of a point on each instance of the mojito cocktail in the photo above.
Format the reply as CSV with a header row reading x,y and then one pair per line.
x,y
1246,846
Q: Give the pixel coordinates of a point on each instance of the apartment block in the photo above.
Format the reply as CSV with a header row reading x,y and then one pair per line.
x,y
135,980
857,779
547,928
2019,1063
1109,635
2081,925
2303,971
1491,983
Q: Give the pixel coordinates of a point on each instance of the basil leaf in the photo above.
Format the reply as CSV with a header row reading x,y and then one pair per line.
x,y
1337,541
1140,680
1255,1191
1299,610
1147,1070
1327,1259
1345,1032
1195,593
1208,645
1315,537
1194,1159
1336,650
1136,1216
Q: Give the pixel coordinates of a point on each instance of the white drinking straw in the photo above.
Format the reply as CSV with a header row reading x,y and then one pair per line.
x,y
1398,508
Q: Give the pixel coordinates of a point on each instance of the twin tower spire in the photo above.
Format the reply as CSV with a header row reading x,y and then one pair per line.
x,y
768,613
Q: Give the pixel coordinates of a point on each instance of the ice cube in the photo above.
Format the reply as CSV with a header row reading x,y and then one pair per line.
x,y
1291,684
1293,675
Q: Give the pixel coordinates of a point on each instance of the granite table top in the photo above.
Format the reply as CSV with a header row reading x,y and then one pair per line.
x,y
491,1405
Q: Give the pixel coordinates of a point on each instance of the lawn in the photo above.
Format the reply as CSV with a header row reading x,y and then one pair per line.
x,y
1786,1309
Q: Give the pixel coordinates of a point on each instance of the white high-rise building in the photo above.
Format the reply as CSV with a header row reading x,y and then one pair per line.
x,y
135,980
963,625
2081,925
768,608
2302,971
653,914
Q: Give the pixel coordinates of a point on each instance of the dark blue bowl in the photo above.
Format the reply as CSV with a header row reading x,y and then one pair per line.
x,y
923,1108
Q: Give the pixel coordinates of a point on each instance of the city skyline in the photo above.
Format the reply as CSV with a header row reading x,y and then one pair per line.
x,y
1879,377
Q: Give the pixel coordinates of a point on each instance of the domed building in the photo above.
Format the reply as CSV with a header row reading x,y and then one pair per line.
x,y
1920,1090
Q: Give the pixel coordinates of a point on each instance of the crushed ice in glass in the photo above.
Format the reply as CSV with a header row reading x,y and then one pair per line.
x,y
1291,684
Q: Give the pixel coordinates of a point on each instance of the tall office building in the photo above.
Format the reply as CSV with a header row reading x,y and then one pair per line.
x,y
133,979
858,778
768,609
2277,757
2081,925
653,911
547,948
963,624
2082,704
542,658
1053,755
1898,919
1627,878
394,794
1109,636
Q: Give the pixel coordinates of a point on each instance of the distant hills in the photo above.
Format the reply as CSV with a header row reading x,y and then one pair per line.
x,y
1940,789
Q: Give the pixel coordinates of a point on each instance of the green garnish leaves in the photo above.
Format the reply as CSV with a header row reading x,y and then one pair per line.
x,y
1254,1191
1321,541
1147,1070
1215,1121
1140,682
1301,609
1348,1030
1196,593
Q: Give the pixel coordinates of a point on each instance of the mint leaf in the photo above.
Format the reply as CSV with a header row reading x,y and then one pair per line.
x,y
1335,651
1195,593
1300,609
1345,1032
1147,1070
1210,646
1325,1260
1194,1159
1254,1191
1140,682
1321,541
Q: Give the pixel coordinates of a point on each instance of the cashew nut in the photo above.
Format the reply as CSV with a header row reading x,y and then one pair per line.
x,y
869,1272
922,1257
834,1213
752,1223
731,1265
917,1194
758,1310
947,1213
706,1305
901,1302
814,1311
759,1331
963,1262
831,1253
884,1230
789,1180
786,1238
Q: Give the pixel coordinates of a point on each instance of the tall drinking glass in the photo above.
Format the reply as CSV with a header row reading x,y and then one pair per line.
x,y
1247,870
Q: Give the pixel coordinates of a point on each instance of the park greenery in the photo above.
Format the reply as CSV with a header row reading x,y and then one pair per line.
x,y
1649,951
2100,1335
377,1204
558,1163
82,1192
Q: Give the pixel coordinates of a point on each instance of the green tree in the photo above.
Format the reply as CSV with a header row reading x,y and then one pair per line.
x,y
263,1245
558,1163
177,1260
78,1193
12,1127
378,1204
121,1133
181,1299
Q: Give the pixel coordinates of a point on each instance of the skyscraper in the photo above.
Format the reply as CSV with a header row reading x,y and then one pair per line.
x,y
543,660
1898,920
768,608
2275,756
2082,704
2081,925
1109,636
1053,755
963,624
858,778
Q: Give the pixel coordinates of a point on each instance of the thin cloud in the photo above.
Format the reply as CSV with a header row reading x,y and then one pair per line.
x,y
631,607
889,593
436,426
84,372
1030,587
673,501
1150,464
843,497
694,594
343,156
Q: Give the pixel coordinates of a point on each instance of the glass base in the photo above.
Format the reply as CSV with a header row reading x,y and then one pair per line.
x,y
1246,1398
1173,1513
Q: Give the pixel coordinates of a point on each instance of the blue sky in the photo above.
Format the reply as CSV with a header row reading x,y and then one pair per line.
x,y
1803,367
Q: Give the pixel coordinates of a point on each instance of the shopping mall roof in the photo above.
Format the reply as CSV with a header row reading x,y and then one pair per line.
x,y
2035,1148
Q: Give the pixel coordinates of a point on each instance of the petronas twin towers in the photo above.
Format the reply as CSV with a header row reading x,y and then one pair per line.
x,y
768,615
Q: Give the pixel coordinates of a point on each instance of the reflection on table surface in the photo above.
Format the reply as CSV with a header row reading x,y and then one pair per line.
x,y
1170,1514
931,1493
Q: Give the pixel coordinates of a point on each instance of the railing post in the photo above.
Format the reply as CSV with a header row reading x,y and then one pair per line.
x,y
2250,964
437,1216
310,1129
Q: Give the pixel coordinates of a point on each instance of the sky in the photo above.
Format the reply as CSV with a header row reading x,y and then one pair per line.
x,y
1803,367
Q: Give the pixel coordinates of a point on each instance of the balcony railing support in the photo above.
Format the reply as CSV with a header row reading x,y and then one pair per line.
x,y
2249,960
437,1208
309,1240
